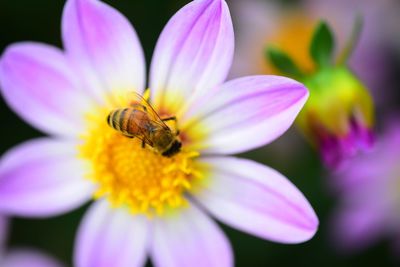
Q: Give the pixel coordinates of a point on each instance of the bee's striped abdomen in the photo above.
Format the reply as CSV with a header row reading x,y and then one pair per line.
x,y
129,121
118,119
123,120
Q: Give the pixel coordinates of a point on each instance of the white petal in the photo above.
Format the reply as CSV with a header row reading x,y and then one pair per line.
x,y
111,237
244,114
40,85
189,238
194,51
256,199
103,46
43,177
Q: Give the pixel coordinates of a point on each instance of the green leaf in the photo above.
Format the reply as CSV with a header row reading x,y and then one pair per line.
x,y
322,44
282,62
352,40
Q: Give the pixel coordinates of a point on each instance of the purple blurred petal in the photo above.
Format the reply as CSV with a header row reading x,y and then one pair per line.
x,y
195,50
359,173
29,258
257,199
189,238
39,85
103,46
246,113
111,237
365,137
336,151
43,177
369,196
356,228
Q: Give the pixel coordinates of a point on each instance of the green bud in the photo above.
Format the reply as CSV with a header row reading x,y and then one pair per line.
x,y
336,96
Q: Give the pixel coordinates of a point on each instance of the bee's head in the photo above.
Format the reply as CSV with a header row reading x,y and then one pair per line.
x,y
173,149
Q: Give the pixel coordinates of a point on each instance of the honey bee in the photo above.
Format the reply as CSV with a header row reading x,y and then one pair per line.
x,y
141,121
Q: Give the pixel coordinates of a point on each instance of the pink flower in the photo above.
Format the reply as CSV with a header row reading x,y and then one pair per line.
x,y
69,95
338,118
19,257
262,23
369,192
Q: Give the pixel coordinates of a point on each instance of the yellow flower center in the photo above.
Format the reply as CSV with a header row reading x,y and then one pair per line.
x,y
129,175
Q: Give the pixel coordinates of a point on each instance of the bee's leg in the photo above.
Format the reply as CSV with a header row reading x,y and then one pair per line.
x,y
129,136
178,132
143,144
138,106
172,118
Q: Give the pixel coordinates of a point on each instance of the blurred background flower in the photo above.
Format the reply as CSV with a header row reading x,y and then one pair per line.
x,y
289,25
369,196
338,118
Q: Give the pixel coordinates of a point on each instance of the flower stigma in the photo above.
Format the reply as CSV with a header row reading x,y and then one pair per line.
x,y
130,175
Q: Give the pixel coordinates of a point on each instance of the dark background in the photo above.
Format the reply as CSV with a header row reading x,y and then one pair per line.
x,y
40,21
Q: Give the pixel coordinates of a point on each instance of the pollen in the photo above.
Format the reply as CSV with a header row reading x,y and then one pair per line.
x,y
135,177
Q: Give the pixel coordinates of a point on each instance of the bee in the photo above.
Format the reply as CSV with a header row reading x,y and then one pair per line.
x,y
141,121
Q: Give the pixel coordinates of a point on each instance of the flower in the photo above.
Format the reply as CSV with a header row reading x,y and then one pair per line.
x,y
18,257
369,195
338,118
146,203
290,27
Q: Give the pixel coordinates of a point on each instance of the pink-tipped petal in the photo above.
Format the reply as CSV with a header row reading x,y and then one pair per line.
x,y
189,238
28,258
245,113
111,237
256,199
39,84
43,177
194,52
103,46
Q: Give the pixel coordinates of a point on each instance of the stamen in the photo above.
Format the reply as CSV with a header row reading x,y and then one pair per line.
x,y
129,175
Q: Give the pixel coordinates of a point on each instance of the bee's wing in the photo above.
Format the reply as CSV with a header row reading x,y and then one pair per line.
x,y
138,102
144,137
